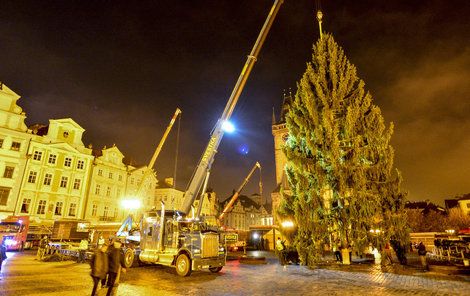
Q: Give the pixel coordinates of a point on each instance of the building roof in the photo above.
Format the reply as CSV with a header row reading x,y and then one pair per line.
x,y
244,200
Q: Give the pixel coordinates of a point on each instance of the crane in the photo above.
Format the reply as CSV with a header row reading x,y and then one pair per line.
x,y
234,198
127,225
203,168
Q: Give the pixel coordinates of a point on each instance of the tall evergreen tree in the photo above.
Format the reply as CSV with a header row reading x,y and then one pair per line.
x,y
339,161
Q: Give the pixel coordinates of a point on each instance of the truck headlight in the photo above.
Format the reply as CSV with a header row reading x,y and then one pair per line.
x,y
196,251
10,242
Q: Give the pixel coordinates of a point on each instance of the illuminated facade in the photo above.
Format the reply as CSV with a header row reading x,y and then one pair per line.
x,y
14,142
107,186
246,212
58,165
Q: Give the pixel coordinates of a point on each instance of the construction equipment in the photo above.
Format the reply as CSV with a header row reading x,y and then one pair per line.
x,y
171,238
234,198
129,222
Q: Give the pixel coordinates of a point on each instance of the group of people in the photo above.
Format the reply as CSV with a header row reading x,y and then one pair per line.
x,y
106,264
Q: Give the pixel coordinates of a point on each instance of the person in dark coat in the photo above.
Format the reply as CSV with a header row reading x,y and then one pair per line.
x,y
3,253
115,264
99,266
422,255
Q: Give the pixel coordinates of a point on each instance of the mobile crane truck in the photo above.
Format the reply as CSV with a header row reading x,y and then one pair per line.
x,y
171,238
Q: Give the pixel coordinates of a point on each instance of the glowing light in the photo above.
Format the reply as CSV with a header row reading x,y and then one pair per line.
x,y
228,127
243,149
255,235
10,242
131,204
287,224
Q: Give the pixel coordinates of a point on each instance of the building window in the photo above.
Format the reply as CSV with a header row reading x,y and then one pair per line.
x,y
58,208
97,189
25,205
68,162
37,155
72,209
52,158
4,194
115,212
94,210
15,146
110,175
41,207
47,179
468,205
1,143
63,182
108,191
132,181
8,173
120,177
105,213
80,164
76,184
100,172
32,177
118,192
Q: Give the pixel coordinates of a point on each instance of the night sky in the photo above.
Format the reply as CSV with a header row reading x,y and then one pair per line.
x,y
120,69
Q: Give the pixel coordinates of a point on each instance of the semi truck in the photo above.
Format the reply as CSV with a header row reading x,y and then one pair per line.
x,y
174,238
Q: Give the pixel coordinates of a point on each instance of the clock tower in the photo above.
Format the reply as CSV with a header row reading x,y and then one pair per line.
x,y
280,134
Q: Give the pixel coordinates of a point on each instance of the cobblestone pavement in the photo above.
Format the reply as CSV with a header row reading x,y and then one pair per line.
x,y
22,275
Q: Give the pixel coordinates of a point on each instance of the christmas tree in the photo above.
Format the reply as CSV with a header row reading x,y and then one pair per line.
x,y
343,185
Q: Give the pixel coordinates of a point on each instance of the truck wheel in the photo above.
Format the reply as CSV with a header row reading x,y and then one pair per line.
x,y
129,258
215,269
183,265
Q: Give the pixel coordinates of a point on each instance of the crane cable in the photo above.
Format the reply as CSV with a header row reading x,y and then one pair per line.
x,y
177,150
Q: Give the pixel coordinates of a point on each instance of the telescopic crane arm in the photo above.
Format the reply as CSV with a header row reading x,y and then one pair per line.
x,y
127,225
211,149
234,198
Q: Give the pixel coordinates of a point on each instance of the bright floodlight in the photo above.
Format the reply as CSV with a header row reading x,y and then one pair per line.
x,y
131,204
287,224
228,127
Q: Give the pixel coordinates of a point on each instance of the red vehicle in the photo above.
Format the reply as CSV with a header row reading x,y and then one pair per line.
x,y
14,229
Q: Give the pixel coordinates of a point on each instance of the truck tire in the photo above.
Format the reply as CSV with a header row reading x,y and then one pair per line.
x,y
215,269
183,265
129,258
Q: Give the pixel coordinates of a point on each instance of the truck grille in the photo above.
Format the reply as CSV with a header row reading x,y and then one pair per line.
x,y
210,245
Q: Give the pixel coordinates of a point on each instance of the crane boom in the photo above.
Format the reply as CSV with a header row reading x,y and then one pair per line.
x,y
157,151
234,198
128,223
211,149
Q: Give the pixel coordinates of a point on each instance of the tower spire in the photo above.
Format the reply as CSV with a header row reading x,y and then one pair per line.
x,y
319,17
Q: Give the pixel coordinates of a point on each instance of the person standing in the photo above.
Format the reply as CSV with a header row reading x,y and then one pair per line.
x,y
82,250
42,247
337,251
115,265
281,251
99,266
422,255
3,253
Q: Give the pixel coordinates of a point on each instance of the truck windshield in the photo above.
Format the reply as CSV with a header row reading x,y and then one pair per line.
x,y
9,227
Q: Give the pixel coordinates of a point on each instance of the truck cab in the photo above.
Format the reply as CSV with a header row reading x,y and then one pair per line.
x,y
185,244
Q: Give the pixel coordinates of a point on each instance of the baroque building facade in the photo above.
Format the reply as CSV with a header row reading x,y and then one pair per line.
x,y
246,213
107,186
57,172
14,142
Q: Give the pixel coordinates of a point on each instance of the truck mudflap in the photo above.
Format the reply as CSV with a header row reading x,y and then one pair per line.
x,y
199,263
